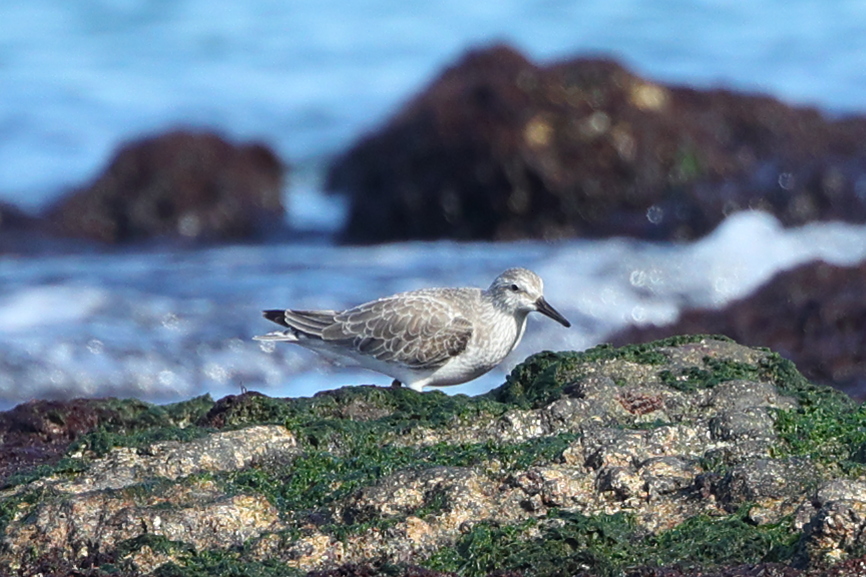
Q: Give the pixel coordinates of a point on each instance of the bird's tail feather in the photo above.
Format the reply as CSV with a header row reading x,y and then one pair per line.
x,y
306,323
310,323
276,316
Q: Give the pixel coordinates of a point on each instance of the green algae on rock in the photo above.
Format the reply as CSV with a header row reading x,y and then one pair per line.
x,y
693,451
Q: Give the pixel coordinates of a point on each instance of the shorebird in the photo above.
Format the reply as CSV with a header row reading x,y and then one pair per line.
x,y
429,337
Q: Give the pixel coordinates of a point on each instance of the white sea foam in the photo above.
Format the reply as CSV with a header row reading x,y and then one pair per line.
x,y
79,79
167,326
38,307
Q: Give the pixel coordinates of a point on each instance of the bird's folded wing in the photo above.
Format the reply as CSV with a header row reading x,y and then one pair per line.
x,y
420,333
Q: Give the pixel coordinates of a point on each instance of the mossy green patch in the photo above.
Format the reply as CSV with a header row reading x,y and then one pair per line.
x,y
717,371
157,543
825,432
486,548
540,378
99,442
704,542
827,426
133,423
396,407
189,562
649,353
537,380
435,502
326,421
340,419
251,408
129,415
565,544
67,466
314,480
784,374
771,368
225,563
12,506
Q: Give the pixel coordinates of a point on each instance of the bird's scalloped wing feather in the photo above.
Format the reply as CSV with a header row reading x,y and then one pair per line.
x,y
421,332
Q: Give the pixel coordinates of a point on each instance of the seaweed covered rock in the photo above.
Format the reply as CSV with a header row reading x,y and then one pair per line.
x,y
814,315
498,147
180,185
689,454
39,433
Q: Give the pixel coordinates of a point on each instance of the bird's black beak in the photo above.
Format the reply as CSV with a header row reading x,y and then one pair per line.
x,y
544,308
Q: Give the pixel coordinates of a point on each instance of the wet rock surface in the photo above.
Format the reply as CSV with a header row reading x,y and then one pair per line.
x,y
179,186
40,432
498,147
814,315
690,456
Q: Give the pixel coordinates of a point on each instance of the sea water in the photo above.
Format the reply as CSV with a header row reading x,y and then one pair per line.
x,y
77,79
165,326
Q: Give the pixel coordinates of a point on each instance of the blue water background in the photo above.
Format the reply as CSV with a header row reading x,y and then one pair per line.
x,y
79,78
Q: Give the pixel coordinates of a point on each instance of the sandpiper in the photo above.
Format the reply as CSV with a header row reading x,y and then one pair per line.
x,y
429,337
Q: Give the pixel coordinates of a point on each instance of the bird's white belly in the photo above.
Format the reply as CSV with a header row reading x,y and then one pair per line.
x,y
478,358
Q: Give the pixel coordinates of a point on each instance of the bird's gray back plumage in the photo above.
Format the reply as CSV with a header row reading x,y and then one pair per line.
x,y
419,330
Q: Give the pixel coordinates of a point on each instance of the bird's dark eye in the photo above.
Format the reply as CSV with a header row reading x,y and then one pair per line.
x,y
514,288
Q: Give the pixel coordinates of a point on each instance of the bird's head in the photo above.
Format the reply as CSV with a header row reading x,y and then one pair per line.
x,y
521,290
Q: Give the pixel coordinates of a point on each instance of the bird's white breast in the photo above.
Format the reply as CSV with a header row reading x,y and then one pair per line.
x,y
486,349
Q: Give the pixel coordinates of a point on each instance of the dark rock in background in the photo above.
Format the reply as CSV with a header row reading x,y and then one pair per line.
x,y
178,185
814,315
498,147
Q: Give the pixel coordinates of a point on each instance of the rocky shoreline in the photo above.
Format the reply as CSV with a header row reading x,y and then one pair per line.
x,y
689,456
679,456
814,315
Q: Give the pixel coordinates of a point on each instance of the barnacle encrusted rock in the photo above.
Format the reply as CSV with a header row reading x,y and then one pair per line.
x,y
693,451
